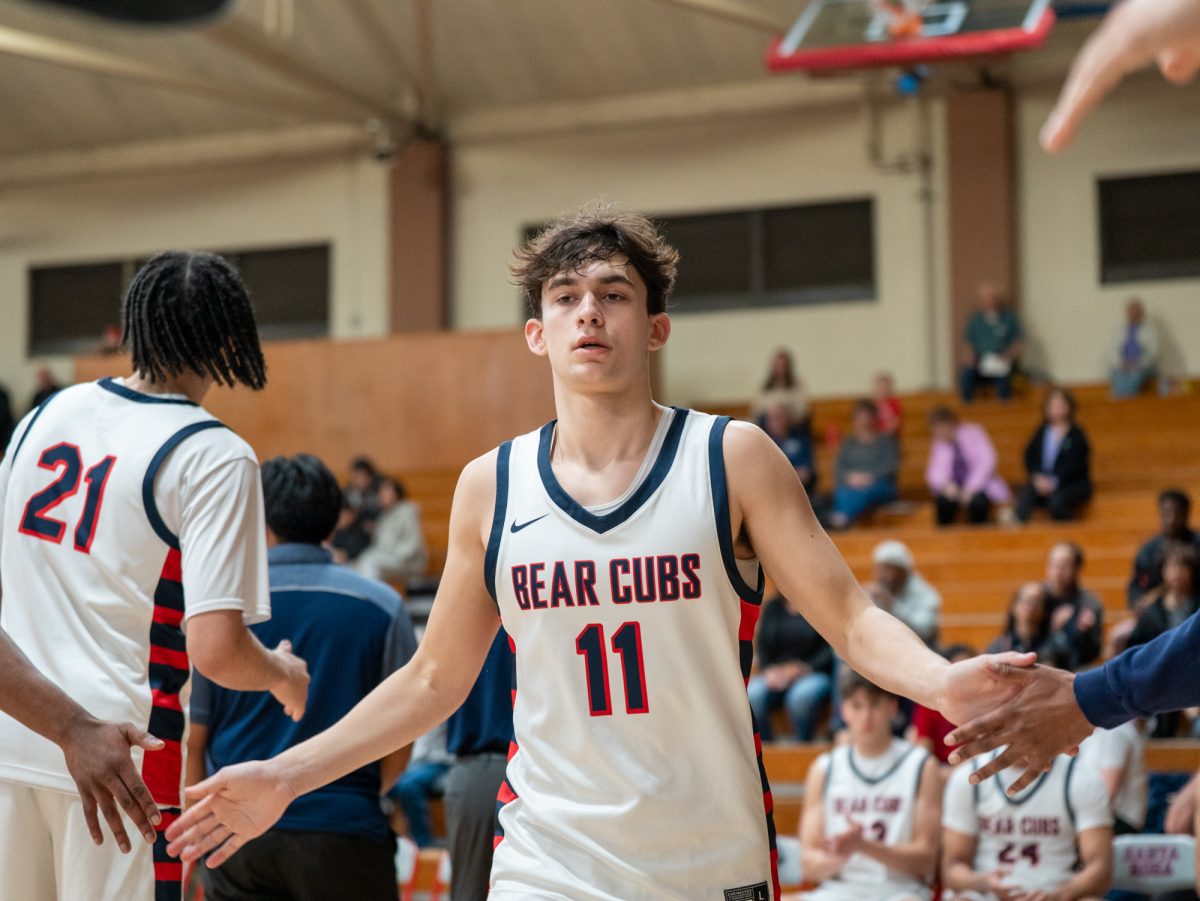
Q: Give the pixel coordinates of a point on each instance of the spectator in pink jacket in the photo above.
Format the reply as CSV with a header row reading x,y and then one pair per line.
x,y
961,471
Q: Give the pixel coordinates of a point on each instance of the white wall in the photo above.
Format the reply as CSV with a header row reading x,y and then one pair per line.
x,y
1146,127
341,201
784,159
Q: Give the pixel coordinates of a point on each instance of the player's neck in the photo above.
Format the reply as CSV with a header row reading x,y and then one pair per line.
x,y
596,429
872,745
189,384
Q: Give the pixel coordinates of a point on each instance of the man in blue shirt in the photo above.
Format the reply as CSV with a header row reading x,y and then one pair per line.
x,y
353,632
993,344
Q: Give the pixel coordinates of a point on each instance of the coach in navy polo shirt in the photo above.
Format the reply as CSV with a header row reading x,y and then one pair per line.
x,y
353,633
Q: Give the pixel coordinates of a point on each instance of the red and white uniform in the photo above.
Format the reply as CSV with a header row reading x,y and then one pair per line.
x,y
121,515
636,770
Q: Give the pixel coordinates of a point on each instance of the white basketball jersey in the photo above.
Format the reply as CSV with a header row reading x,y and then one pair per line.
x,y
92,567
636,769
881,796
1032,837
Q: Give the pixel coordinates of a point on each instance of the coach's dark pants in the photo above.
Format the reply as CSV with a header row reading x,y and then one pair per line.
x,y
306,866
470,804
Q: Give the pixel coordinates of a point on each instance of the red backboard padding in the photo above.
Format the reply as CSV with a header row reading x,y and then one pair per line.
x,y
910,51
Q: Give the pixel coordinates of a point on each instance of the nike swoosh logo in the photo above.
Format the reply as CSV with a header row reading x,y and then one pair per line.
x,y
514,528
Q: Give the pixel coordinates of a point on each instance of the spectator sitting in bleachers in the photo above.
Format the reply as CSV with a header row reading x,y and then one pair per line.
x,y
961,471
794,670
866,469
1076,615
794,441
899,589
888,410
869,831
349,539
929,728
1058,462
993,345
397,549
422,779
1174,507
1134,351
1052,841
783,386
1028,625
1119,757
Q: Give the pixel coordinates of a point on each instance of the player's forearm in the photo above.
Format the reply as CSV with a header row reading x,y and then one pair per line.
x,y
916,859
889,654
409,703
241,663
960,877
819,865
33,700
1090,882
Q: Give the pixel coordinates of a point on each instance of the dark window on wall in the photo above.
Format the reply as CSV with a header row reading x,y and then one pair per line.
x,y
70,305
1149,227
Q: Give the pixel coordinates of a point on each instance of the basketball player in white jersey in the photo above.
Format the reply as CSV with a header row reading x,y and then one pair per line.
x,y
1049,842
872,807
619,545
127,513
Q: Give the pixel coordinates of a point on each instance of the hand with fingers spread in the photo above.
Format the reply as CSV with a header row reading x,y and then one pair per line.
x,y
974,686
292,689
1041,721
98,759
1134,34
231,807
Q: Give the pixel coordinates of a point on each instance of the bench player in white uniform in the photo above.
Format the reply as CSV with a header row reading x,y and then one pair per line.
x,y
618,545
126,512
1051,841
872,807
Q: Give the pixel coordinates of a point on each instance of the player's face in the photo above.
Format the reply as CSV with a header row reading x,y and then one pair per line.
x,y
868,715
594,326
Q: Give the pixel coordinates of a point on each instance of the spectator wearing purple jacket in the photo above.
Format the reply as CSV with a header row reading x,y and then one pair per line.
x,y
961,471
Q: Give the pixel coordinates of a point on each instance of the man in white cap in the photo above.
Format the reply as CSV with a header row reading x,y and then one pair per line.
x,y
899,589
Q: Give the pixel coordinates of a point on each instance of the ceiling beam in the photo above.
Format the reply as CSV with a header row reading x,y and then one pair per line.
x,y
28,45
736,11
375,30
245,40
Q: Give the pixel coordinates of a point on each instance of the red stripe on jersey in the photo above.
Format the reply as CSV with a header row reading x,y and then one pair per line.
x,y
512,750
768,802
496,840
166,616
168,872
162,771
173,568
775,874
506,793
177,659
163,699
167,819
748,621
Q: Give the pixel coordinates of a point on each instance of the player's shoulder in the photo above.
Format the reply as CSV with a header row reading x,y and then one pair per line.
x,y
209,442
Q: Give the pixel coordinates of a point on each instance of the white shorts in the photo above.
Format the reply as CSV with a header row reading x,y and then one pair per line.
x,y
843,891
47,854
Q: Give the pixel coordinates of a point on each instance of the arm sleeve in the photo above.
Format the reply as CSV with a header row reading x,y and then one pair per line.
x,y
201,705
1148,679
982,466
1033,453
1088,798
958,803
401,642
223,541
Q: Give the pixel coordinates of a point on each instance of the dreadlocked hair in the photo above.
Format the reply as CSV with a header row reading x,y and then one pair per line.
x,y
189,311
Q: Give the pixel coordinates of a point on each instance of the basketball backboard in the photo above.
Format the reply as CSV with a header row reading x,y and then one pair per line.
x,y
858,34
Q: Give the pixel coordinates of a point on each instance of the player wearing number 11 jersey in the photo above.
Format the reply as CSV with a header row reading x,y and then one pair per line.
x,y
126,512
619,545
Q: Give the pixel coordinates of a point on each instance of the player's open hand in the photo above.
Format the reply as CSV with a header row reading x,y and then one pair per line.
x,y
98,759
1134,34
1040,722
292,689
847,843
972,687
231,807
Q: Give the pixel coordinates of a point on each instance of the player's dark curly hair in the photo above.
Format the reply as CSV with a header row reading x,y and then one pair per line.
x,y
189,311
301,498
591,235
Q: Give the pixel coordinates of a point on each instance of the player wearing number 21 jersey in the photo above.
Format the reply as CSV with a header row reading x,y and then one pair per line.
x,y
127,512
1054,837
619,545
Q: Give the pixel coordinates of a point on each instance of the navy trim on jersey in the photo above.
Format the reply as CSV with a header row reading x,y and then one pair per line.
x,y
602,524
720,498
1029,792
1067,791
152,514
29,428
492,558
890,770
129,394
920,773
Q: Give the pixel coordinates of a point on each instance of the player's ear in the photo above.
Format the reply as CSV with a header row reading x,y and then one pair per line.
x,y
535,337
660,330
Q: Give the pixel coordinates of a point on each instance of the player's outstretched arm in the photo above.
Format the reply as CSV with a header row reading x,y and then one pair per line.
x,y
768,503
97,753
241,802
224,650
1134,34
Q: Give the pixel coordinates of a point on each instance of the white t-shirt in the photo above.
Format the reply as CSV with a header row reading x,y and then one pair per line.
x,y
121,516
1032,837
1124,749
